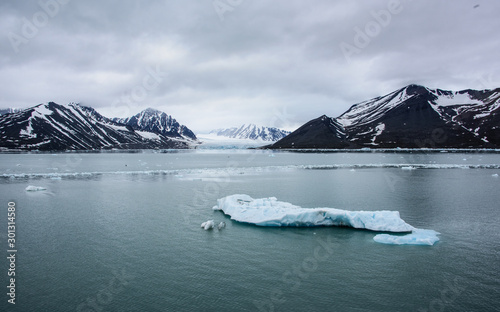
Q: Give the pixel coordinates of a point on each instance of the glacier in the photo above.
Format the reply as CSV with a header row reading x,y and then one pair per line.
x,y
271,212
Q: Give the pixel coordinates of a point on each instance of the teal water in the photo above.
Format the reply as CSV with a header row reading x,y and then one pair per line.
x,y
121,232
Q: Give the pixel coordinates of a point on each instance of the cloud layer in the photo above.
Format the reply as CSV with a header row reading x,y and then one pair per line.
x,y
226,62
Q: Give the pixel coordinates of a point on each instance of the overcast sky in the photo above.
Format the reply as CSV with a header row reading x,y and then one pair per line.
x,y
222,63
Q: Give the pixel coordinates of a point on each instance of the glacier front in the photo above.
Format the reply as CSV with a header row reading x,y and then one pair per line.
x,y
271,212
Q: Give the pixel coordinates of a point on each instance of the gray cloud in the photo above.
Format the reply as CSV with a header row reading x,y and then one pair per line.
x,y
263,59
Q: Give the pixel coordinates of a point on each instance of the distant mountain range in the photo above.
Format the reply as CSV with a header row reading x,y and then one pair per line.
x,y
411,117
252,132
52,126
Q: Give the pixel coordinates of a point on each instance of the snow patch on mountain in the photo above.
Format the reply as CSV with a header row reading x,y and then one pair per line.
x,y
456,98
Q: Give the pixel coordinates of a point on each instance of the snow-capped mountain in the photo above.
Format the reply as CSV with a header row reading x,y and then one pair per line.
x,y
153,120
52,126
415,117
252,132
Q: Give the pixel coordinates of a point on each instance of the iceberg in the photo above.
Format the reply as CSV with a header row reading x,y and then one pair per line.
x,y
32,188
417,237
271,212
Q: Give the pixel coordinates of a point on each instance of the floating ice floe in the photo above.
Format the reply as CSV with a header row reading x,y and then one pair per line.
x,y
32,188
495,175
223,172
271,212
417,237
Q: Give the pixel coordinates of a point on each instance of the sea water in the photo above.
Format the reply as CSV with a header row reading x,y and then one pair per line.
x,y
121,232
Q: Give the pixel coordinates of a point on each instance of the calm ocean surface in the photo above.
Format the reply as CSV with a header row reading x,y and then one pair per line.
x,y
121,232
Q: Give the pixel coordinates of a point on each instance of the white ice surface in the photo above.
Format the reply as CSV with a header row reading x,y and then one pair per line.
x,y
208,225
213,141
456,99
417,237
148,135
271,212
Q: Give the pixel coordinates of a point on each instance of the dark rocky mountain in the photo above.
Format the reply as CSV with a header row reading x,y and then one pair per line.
x,y
52,126
153,120
412,117
252,132
326,131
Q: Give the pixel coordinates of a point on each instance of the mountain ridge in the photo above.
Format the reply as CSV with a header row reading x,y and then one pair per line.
x,y
153,120
51,126
413,117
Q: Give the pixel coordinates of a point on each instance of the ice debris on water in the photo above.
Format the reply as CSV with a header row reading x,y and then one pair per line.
x,y
32,188
408,168
210,225
271,212
495,175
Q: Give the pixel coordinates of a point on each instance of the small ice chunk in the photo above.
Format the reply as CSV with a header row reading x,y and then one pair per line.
x,y
408,168
221,225
208,225
417,237
495,175
32,188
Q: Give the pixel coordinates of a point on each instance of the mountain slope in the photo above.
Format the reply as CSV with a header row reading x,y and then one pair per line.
x,y
73,127
415,117
322,132
153,120
252,132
